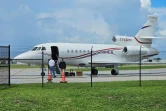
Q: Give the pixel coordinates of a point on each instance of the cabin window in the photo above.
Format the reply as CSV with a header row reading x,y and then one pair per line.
x,y
43,48
88,51
84,51
34,48
68,51
72,51
80,51
76,51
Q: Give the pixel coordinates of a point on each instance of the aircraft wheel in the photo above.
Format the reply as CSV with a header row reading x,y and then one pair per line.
x,y
94,71
113,72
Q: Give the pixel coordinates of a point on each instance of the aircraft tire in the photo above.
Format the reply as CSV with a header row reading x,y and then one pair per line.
x,y
94,71
113,72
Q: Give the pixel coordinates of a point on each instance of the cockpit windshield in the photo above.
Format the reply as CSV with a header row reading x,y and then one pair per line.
x,y
38,48
43,48
34,48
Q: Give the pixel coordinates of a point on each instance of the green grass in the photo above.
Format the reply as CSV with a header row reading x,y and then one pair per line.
x,y
106,96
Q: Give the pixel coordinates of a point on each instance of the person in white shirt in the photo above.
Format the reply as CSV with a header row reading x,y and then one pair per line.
x,y
52,67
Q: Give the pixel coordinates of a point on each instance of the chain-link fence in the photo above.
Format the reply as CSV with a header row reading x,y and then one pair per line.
x,y
22,71
150,69
5,65
145,68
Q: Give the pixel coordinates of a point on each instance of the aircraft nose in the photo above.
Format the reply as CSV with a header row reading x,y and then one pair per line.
x,y
23,58
28,57
17,57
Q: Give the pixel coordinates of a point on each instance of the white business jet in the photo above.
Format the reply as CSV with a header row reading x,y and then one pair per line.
x,y
124,51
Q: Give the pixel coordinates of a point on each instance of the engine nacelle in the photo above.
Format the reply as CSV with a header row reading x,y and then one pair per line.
x,y
134,50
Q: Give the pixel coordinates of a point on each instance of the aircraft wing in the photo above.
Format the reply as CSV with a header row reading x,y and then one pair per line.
x,y
110,62
122,63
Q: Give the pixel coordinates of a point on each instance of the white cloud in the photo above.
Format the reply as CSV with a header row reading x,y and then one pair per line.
x,y
74,39
162,32
161,12
96,3
18,25
25,8
91,21
80,19
145,4
95,21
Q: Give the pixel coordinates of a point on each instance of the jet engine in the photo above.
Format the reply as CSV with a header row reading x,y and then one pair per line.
x,y
134,50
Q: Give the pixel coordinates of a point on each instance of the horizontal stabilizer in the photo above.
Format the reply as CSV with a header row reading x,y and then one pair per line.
x,y
152,37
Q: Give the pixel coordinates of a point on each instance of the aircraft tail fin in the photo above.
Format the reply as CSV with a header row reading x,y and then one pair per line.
x,y
145,35
148,28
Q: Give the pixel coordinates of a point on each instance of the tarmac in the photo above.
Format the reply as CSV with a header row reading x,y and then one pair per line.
x,y
33,75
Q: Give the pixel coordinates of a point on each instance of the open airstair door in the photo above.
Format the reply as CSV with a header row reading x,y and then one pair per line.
x,y
54,52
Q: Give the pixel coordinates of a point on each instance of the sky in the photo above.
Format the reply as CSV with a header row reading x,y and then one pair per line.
x,y
25,23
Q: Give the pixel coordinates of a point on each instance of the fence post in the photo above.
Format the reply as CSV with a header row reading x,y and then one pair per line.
x,y
9,64
91,66
43,74
140,68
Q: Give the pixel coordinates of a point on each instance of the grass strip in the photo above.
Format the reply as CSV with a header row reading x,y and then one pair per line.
x,y
103,96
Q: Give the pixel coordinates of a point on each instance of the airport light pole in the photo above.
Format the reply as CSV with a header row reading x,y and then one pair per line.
x,y
91,66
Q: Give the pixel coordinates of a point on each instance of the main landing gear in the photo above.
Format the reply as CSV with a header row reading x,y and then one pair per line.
x,y
115,71
94,71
